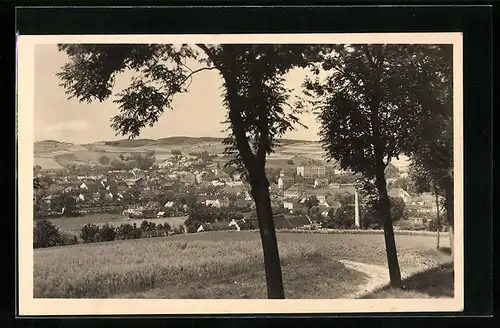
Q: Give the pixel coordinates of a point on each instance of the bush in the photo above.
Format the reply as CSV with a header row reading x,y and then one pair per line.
x,y
127,231
410,225
106,233
67,239
219,226
192,225
90,233
162,230
247,225
45,234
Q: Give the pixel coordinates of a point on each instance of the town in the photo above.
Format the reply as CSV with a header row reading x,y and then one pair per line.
x,y
304,195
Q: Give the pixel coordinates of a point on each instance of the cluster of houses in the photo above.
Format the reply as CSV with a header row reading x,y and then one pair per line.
x,y
209,184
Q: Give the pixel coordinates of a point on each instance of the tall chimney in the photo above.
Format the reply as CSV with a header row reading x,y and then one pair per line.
x,y
356,209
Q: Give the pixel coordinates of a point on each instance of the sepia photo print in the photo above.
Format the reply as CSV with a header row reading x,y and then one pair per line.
x,y
240,173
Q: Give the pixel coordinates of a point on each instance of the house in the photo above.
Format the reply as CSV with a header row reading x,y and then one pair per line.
x,y
80,198
310,171
339,171
285,182
138,173
320,182
247,196
213,202
169,204
324,210
294,191
334,185
234,183
83,186
241,203
108,196
161,214
48,199
282,221
288,205
418,220
140,182
233,190
399,192
187,178
96,196
217,183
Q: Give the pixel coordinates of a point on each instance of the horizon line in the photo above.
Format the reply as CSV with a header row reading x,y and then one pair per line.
x,y
157,139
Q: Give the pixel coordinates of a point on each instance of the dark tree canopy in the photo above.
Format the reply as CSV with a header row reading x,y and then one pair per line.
x,y
358,77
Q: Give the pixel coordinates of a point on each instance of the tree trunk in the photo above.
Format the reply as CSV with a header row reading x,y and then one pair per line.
x,y
449,194
260,193
438,219
390,242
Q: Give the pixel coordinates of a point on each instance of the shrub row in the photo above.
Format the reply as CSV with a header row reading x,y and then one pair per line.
x,y
92,233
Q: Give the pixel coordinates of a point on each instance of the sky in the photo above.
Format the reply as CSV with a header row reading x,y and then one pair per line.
x,y
198,113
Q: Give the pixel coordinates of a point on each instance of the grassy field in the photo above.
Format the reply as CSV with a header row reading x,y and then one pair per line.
x,y
74,225
50,155
217,265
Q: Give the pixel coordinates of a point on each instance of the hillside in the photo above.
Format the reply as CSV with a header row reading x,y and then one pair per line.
x,y
178,141
52,154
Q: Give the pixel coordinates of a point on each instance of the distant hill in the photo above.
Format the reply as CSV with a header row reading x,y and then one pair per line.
x,y
52,143
178,141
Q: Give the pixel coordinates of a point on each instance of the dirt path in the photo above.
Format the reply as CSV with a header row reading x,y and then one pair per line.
x,y
378,275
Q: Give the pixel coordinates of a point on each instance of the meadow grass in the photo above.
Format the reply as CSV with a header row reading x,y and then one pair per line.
x,y
101,270
221,264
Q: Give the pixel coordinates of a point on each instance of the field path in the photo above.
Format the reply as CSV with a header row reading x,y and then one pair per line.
x,y
378,276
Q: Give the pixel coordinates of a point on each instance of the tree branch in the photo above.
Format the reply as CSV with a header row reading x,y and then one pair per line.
x,y
196,71
369,55
209,53
234,114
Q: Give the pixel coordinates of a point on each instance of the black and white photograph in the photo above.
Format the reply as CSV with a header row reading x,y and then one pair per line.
x,y
240,173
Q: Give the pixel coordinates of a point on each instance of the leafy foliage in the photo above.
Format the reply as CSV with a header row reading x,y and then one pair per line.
x,y
90,233
45,234
365,104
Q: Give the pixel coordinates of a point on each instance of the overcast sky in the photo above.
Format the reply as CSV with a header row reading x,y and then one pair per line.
x,y
197,113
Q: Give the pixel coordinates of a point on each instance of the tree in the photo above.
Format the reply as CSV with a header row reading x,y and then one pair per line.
x,y
398,209
66,204
345,198
45,234
402,183
254,95
104,160
345,216
312,202
117,164
176,152
365,106
143,161
431,147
